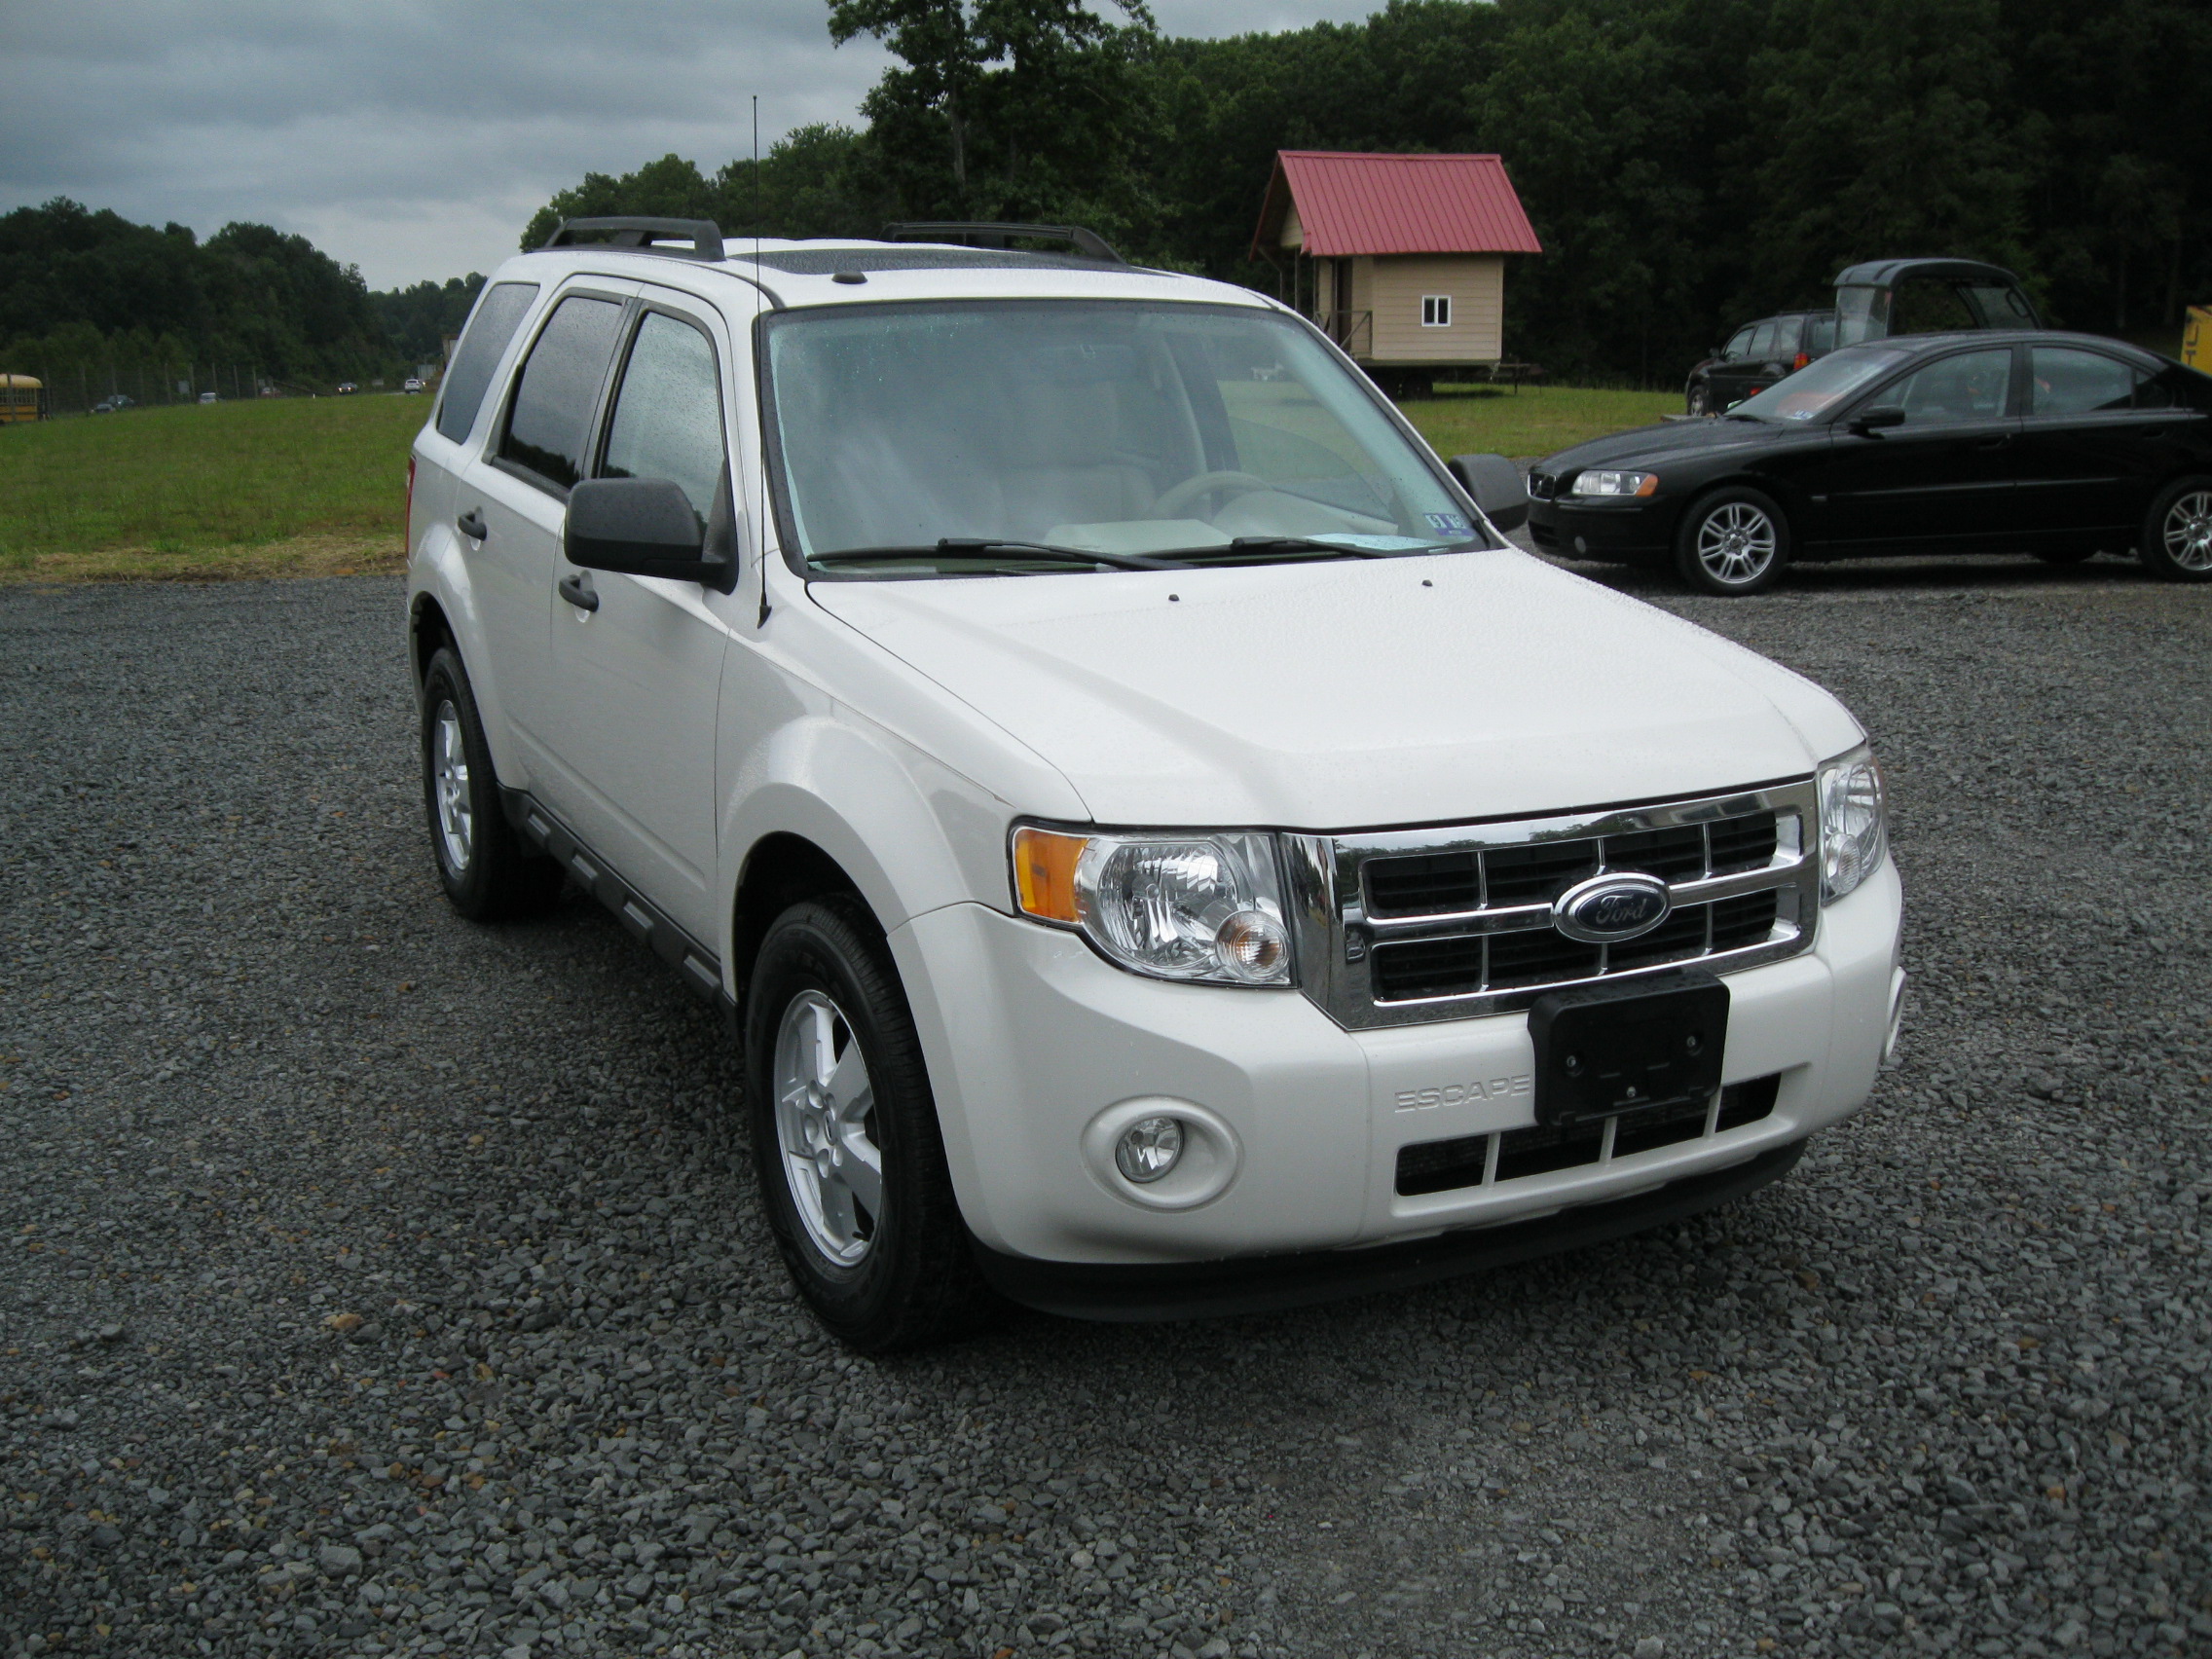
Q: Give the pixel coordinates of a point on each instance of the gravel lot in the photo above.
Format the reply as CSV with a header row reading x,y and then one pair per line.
x,y
379,1283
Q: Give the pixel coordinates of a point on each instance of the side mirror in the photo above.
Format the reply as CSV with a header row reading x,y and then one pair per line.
x,y
645,527
1496,485
1876,419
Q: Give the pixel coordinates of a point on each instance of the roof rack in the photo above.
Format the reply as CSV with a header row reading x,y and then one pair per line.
x,y
986,233
644,236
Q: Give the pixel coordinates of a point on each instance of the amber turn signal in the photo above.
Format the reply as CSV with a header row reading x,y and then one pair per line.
x,y
1044,873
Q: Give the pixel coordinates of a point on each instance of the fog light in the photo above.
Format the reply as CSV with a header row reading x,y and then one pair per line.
x,y
1149,1149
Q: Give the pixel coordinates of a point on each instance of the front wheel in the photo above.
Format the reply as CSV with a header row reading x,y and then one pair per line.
x,y
2177,533
1732,542
845,1136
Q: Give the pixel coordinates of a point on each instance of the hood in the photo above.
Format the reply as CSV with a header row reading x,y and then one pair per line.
x,y
1655,445
1352,693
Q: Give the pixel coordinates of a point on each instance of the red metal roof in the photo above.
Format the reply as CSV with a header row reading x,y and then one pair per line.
x,y
1350,203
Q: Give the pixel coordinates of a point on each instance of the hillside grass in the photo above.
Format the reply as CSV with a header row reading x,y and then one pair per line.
x,y
318,486
283,486
1533,422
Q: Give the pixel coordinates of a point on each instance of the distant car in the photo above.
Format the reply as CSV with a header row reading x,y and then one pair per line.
x,y
411,384
2016,441
209,398
1756,355
114,405
344,387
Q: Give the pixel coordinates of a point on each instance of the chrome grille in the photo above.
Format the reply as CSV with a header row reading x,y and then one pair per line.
x,y
1406,926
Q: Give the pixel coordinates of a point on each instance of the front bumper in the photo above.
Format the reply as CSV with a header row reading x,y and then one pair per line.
x,y
1031,1038
1595,528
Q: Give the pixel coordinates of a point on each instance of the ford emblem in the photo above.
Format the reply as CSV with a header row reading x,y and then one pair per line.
x,y
1608,910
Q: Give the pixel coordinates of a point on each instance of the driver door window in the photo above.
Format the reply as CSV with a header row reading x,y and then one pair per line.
x,y
1973,386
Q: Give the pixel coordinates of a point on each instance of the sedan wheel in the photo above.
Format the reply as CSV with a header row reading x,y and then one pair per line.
x,y
1735,541
2177,536
1700,400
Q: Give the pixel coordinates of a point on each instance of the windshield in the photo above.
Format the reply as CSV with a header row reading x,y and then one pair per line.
x,y
1130,431
1819,387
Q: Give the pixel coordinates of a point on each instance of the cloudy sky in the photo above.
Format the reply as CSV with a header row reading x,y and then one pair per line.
x,y
411,137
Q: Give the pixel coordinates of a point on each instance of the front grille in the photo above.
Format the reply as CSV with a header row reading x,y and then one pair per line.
x,y
1450,1165
1405,926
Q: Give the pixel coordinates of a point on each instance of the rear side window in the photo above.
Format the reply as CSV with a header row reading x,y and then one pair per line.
x,y
482,344
2069,382
668,416
550,422
1786,333
1820,334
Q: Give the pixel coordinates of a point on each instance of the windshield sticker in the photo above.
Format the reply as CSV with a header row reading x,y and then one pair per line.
x,y
1450,524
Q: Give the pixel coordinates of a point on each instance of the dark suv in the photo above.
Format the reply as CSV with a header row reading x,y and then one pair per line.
x,y
1756,355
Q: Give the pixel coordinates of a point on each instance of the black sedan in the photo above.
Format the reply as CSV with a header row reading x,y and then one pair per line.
x,y
2056,444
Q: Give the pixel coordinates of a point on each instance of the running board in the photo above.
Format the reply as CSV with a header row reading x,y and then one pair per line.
x,y
695,965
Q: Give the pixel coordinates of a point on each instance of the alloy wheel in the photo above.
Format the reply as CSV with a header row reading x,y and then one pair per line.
x,y
2187,531
449,782
825,1130
1736,543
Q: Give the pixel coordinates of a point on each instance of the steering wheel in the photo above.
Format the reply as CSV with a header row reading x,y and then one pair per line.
x,y
1172,501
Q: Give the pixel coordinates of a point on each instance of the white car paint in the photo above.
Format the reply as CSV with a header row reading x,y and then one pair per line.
x,y
905,728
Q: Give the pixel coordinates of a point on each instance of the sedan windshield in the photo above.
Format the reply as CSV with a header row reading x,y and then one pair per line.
x,y
1007,435
1819,387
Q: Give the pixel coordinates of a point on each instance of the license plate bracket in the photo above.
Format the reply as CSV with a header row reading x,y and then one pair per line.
x,y
1605,1051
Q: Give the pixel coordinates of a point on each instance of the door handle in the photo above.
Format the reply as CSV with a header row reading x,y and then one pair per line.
x,y
577,589
472,525
1995,443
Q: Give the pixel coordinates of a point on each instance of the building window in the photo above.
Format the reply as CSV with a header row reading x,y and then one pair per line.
x,y
1436,310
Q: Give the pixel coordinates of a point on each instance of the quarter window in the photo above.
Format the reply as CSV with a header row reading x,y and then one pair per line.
x,y
1973,386
483,343
1436,310
550,422
668,416
2071,382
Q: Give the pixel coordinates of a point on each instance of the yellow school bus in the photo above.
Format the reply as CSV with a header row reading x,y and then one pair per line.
x,y
21,398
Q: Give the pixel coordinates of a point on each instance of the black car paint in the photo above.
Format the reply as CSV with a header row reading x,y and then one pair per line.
x,y
1728,379
2016,482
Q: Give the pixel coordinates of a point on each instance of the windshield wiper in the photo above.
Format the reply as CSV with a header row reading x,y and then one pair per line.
x,y
976,545
1304,544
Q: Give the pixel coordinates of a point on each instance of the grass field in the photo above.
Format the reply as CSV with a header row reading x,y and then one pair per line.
x,y
1534,421
290,486
317,487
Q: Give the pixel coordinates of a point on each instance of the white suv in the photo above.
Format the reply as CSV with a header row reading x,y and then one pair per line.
x,y
1164,852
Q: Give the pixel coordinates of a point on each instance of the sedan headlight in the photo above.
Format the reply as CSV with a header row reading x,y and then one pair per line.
x,y
1854,823
1615,483
1178,906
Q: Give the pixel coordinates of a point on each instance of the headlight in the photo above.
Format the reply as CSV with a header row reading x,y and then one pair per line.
x,y
1200,907
1615,483
1854,823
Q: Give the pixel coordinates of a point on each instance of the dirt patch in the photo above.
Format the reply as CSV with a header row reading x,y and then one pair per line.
x,y
351,555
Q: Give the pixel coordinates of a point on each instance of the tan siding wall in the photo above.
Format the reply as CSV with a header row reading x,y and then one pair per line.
x,y
1393,287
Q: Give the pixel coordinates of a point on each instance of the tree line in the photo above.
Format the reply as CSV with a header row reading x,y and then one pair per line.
x,y
1688,164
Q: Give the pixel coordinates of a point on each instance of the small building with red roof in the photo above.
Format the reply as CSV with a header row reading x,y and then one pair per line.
x,y
1400,258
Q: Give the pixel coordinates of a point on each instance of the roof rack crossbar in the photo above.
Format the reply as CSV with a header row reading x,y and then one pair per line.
x,y
644,236
988,232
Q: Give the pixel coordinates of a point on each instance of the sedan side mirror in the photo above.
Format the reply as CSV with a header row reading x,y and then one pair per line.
x,y
645,527
1496,485
1876,419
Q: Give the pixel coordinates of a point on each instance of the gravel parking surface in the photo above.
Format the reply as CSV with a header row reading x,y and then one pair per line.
x,y
377,1284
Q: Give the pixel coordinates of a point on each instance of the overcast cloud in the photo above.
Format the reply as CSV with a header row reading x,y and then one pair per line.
x,y
414,139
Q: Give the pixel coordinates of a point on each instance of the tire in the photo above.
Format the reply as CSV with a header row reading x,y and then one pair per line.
x,y
1698,401
487,870
2177,533
1732,542
2066,555
845,1136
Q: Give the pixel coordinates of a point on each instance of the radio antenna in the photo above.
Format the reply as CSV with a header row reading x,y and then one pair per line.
x,y
760,403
